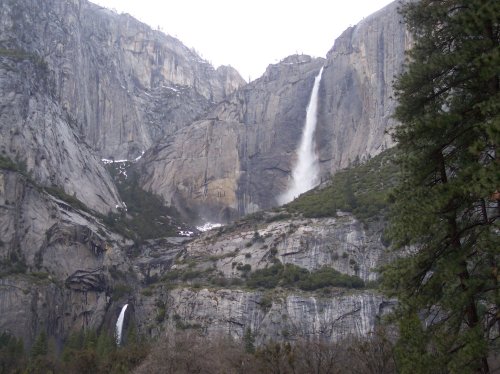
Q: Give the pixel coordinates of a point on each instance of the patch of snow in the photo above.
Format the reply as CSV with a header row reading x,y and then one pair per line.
x,y
186,233
208,226
106,161
171,88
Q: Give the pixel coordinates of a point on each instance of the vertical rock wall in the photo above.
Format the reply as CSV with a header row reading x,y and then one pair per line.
x,y
356,94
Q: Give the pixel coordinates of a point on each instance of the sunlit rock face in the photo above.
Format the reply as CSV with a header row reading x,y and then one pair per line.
x,y
356,96
122,84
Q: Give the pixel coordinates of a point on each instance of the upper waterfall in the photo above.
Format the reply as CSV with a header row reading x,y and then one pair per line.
x,y
305,174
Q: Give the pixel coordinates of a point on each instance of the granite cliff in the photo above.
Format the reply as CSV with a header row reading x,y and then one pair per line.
x,y
201,284
55,262
122,84
238,159
357,97
79,83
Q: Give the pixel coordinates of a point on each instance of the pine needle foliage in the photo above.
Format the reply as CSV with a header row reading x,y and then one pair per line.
x,y
446,208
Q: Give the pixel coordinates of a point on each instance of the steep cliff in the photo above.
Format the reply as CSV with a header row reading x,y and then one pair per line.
x,y
55,262
78,81
110,72
73,75
40,137
237,159
206,283
289,317
356,94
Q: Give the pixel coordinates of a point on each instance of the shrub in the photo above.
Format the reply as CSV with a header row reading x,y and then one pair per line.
x,y
120,290
244,268
362,190
290,275
7,164
70,199
148,216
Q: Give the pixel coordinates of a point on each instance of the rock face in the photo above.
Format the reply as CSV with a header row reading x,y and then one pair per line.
x,y
289,317
356,94
35,133
111,71
238,158
342,243
54,261
78,81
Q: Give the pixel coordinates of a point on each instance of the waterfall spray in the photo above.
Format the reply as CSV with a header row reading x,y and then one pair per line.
x,y
306,171
119,325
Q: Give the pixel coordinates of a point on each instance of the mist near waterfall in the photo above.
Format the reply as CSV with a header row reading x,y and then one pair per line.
x,y
305,174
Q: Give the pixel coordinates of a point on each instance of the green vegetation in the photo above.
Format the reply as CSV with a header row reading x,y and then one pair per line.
x,y
196,278
12,354
20,166
161,312
147,216
280,216
14,53
181,325
276,275
362,190
7,164
249,341
189,351
13,263
448,150
82,352
290,275
71,200
120,290
20,55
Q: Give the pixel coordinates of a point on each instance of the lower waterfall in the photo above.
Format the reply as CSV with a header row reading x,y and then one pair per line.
x,y
119,325
305,174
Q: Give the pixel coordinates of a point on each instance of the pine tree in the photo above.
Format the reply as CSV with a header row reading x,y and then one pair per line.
x,y
105,345
41,346
249,341
446,208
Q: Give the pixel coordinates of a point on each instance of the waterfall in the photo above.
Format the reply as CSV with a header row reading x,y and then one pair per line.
x,y
119,325
305,173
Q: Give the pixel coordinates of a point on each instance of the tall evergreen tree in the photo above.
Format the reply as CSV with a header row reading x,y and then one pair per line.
x,y
446,207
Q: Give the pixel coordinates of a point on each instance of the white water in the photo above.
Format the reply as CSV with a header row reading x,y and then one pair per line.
x,y
119,325
305,174
208,226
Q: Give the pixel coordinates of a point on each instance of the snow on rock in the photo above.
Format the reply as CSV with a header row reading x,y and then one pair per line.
x,y
208,226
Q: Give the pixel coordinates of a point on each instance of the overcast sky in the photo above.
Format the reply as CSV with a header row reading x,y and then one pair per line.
x,y
250,35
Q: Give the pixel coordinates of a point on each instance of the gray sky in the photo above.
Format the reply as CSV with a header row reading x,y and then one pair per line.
x,y
250,35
